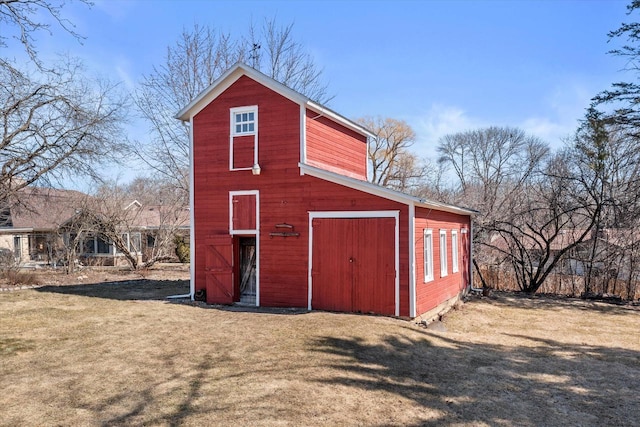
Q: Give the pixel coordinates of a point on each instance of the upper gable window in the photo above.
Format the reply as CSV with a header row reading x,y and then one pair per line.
x,y
244,120
243,141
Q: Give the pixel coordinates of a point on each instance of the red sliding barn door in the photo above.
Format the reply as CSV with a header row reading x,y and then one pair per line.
x,y
353,265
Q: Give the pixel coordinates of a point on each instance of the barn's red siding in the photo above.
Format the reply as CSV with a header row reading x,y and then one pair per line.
x,y
430,294
333,147
286,197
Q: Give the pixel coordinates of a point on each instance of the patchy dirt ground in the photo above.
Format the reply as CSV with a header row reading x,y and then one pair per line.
x,y
115,354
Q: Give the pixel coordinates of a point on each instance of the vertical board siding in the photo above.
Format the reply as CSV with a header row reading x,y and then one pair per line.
x,y
333,147
219,262
354,265
430,294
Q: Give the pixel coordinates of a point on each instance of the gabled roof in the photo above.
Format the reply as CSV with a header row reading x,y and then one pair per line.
x,y
240,69
43,209
380,191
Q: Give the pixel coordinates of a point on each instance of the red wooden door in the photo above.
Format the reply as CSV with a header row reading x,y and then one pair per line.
x,y
374,266
243,212
219,270
354,265
331,272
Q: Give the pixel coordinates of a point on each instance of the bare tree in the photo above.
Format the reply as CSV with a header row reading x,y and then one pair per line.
x,y
487,162
143,234
540,222
77,230
391,162
197,59
495,168
607,167
56,124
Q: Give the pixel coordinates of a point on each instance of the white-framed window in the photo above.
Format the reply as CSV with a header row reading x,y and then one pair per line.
x,y
243,138
454,251
132,241
443,253
244,120
428,255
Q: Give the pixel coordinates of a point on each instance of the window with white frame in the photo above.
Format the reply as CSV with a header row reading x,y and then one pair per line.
x,y
243,140
454,251
443,253
243,120
428,255
132,242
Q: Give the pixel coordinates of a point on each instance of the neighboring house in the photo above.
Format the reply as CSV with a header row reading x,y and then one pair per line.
x,y
40,223
283,214
30,224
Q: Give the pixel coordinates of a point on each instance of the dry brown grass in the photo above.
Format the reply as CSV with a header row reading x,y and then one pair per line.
x,y
87,355
13,277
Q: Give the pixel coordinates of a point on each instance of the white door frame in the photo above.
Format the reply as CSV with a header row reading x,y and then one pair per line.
x,y
255,232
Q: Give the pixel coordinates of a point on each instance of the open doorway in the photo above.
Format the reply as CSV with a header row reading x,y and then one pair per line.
x,y
247,266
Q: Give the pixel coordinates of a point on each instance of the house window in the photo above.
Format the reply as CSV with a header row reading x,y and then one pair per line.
x,y
243,144
102,246
135,240
244,122
94,245
428,255
454,251
132,242
443,253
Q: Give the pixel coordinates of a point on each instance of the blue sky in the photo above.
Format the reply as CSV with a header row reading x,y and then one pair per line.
x,y
443,66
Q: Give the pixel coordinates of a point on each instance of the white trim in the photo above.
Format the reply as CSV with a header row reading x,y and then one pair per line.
x,y
240,110
134,203
257,255
20,230
255,232
413,296
192,223
470,237
256,193
455,251
303,134
357,214
444,262
238,70
321,109
427,277
232,134
380,191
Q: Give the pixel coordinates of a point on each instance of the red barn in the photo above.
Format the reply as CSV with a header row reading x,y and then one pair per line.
x,y
283,215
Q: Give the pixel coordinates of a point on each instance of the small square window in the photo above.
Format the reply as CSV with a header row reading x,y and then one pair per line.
x,y
244,122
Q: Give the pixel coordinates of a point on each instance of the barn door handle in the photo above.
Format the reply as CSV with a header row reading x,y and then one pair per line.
x,y
351,259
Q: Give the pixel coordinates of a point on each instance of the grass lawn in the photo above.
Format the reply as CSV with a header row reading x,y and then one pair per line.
x,y
88,355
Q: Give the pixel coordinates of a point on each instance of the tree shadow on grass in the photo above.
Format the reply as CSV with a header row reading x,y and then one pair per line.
x,y
139,289
546,383
140,407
